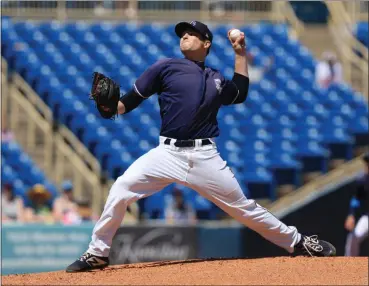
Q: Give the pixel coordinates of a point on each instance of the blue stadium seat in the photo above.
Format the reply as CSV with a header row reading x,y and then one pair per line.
x,y
286,169
340,143
260,183
313,155
8,175
288,125
116,165
282,121
154,205
18,169
253,160
19,188
361,32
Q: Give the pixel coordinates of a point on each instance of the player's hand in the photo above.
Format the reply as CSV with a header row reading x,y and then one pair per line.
x,y
350,223
106,93
239,45
105,108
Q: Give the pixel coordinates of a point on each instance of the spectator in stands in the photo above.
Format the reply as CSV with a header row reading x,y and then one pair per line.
x,y
179,210
65,209
256,73
328,70
357,220
85,212
132,215
103,7
6,134
39,209
12,206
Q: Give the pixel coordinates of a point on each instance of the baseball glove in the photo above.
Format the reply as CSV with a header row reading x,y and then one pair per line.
x,y
105,92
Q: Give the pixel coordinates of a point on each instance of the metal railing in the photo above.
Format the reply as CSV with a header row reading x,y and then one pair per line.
x,y
296,25
69,137
355,67
304,194
357,10
62,156
345,24
163,11
209,11
31,130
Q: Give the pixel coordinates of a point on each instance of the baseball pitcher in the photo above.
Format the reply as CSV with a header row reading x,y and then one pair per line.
x,y
190,95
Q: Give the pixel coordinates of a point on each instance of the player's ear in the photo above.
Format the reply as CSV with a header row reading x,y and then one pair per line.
x,y
207,44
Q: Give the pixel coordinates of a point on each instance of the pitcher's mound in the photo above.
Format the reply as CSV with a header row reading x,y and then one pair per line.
x,y
263,271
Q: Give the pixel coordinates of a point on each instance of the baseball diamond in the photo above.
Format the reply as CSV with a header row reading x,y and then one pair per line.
x,y
264,271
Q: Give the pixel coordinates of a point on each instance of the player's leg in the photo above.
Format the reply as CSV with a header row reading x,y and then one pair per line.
x,y
217,183
356,237
146,176
213,179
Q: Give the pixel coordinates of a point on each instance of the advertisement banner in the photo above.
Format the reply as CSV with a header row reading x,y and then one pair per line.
x,y
220,241
150,243
41,248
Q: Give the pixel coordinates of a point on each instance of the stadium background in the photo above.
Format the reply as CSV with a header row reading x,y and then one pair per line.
x,y
289,142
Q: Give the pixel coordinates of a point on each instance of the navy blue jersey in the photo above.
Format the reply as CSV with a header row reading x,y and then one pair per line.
x,y
190,96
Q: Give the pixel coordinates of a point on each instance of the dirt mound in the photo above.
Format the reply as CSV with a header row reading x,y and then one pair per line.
x,y
264,271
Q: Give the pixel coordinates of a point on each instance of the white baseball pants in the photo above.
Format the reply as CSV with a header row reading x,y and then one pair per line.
x,y
200,168
356,237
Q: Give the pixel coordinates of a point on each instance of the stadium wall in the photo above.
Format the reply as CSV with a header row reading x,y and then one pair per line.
x,y
324,216
41,248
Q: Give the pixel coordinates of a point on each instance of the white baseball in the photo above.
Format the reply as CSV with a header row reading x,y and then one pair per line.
x,y
234,34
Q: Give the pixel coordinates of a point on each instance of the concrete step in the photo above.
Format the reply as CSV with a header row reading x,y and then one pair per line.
x,y
38,157
265,202
284,190
357,78
310,176
317,38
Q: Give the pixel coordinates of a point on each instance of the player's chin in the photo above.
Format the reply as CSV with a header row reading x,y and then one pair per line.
x,y
185,50
184,46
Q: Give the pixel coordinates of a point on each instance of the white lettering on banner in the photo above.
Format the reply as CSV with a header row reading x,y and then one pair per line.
x,y
136,251
23,250
49,236
78,237
36,236
17,236
32,263
34,249
41,248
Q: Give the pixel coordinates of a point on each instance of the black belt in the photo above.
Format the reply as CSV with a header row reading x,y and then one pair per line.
x,y
186,143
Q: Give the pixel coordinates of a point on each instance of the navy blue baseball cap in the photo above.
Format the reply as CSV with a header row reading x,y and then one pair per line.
x,y
196,26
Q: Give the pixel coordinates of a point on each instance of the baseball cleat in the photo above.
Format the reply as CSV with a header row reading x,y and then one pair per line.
x,y
88,262
312,246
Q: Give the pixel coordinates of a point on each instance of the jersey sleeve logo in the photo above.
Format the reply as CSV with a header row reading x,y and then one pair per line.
x,y
218,84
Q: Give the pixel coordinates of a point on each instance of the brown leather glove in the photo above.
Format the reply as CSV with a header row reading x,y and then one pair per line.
x,y
105,92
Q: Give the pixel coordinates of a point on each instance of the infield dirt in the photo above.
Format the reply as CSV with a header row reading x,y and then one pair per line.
x,y
263,271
